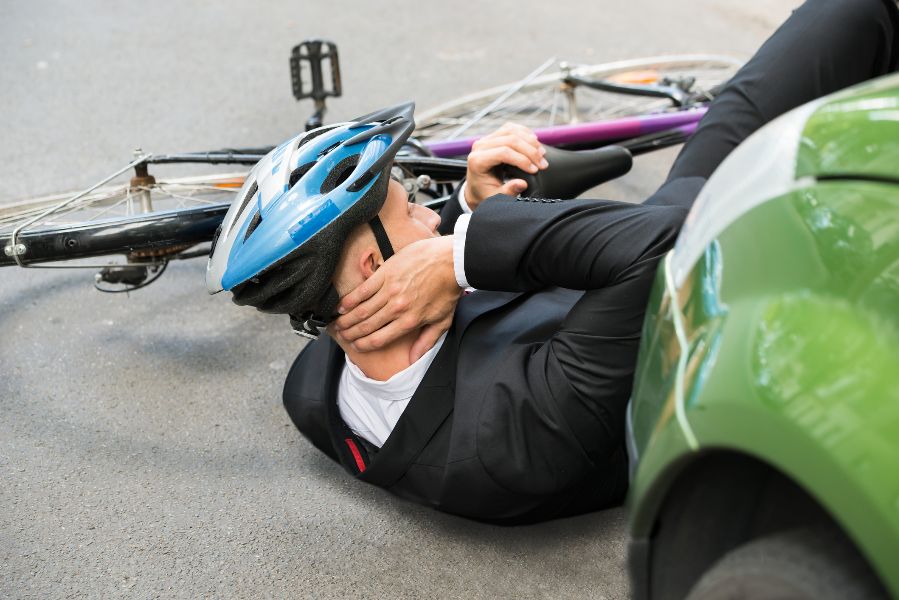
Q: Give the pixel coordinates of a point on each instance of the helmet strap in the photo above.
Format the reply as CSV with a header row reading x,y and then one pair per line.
x,y
309,323
384,244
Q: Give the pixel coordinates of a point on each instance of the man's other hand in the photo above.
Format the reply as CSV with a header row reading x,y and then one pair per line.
x,y
415,289
511,144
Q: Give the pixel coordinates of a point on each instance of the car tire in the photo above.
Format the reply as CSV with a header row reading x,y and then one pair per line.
x,y
806,564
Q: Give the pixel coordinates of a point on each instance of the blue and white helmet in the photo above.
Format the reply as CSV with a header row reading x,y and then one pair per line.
x,y
279,244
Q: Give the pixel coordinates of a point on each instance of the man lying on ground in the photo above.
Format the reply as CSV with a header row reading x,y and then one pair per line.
x,y
506,404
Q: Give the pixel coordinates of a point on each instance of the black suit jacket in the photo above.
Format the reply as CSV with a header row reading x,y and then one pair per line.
x,y
521,415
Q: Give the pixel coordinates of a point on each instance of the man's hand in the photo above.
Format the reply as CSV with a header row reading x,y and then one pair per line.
x,y
416,287
511,144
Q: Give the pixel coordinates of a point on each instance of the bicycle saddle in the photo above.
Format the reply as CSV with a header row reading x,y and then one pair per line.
x,y
571,173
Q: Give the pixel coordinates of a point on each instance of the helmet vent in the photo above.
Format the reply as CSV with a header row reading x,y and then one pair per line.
x,y
246,199
254,223
329,148
314,134
340,173
298,173
215,238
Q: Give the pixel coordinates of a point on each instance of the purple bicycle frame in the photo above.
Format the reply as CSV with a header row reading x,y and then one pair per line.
x,y
592,132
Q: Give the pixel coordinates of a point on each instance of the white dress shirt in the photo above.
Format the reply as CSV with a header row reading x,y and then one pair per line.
x,y
371,408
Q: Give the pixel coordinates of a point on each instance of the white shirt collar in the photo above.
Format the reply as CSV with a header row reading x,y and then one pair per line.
x,y
401,386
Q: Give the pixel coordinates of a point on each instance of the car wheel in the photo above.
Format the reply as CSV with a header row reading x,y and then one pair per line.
x,y
806,564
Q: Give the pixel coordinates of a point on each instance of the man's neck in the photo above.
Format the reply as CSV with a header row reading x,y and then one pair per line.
x,y
382,364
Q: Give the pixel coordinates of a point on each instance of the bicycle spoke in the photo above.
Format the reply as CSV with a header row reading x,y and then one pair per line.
x,y
112,206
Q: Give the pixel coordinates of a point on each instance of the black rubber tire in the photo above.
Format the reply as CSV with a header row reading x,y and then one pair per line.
x,y
802,564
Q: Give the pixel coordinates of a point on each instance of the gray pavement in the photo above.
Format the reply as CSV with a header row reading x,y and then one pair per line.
x,y
143,448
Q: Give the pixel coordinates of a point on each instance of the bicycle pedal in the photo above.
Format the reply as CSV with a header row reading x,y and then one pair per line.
x,y
122,274
308,63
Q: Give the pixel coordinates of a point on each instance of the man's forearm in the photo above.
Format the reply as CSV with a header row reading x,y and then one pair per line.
x,y
523,244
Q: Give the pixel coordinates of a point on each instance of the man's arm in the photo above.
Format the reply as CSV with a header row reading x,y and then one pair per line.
x,y
582,245
569,392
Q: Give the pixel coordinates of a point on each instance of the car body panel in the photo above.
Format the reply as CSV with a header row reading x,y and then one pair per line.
x,y
853,134
791,324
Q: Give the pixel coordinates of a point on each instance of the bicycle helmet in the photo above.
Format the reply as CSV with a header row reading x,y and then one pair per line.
x,y
279,244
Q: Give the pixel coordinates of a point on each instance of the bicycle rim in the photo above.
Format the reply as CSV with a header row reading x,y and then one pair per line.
x,y
546,101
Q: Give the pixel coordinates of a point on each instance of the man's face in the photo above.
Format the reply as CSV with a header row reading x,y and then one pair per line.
x,y
404,221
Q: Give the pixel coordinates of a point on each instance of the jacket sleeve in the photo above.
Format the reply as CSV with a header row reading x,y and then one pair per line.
x,y
556,408
450,212
576,244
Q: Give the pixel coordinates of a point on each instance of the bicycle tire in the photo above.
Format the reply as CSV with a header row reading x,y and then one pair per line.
x,y
542,103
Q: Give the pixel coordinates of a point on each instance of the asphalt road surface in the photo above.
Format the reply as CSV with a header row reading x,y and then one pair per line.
x,y
143,448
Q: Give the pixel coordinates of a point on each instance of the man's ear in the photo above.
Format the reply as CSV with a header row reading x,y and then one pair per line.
x,y
369,262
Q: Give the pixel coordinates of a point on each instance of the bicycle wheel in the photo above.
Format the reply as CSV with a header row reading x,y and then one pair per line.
x,y
152,219
146,218
547,100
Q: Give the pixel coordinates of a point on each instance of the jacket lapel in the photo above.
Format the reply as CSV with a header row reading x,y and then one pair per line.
x,y
429,407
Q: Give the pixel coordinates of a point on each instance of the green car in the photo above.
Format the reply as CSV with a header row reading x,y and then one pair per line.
x,y
764,423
